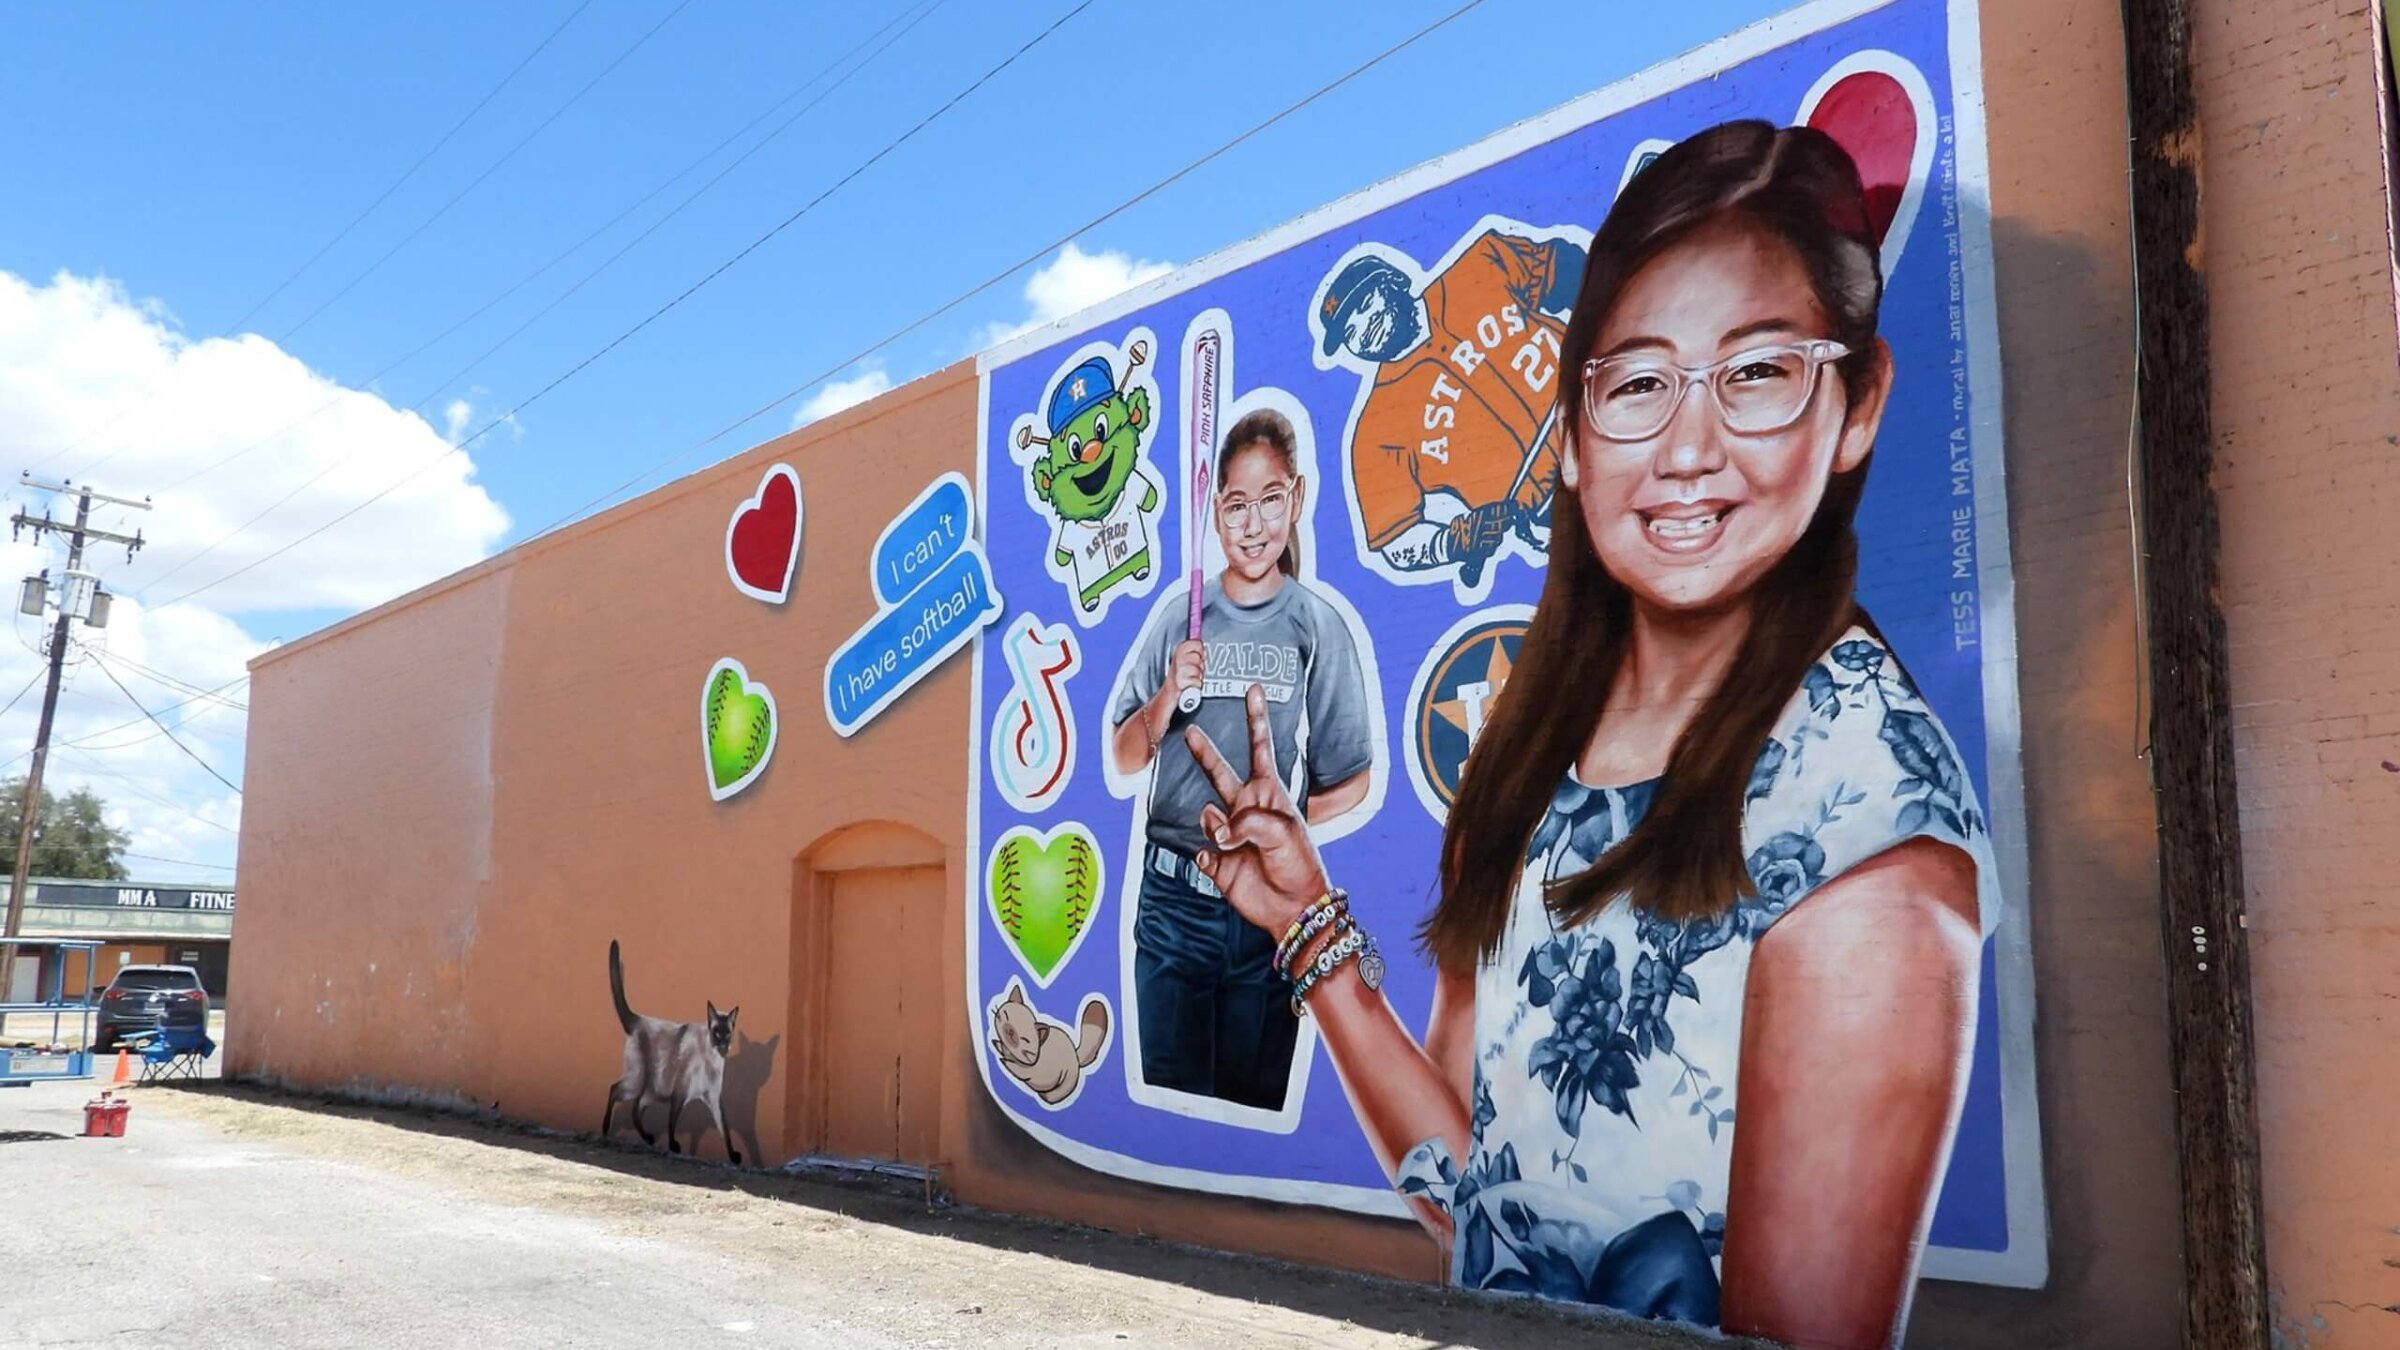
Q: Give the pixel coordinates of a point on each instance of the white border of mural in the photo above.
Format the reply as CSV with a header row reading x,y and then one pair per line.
x,y
2025,1262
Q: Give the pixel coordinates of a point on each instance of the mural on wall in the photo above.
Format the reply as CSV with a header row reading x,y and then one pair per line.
x,y
737,728
1666,486
1033,738
1452,448
1045,1056
933,593
762,540
1043,888
677,1066
1084,462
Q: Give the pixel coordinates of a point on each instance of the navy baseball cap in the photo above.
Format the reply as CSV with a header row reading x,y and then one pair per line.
x,y
1350,289
1084,386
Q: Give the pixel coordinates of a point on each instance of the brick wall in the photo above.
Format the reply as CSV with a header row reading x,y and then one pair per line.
x,y
2307,419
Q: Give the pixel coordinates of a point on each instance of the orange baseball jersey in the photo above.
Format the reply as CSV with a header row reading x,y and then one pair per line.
x,y
1461,411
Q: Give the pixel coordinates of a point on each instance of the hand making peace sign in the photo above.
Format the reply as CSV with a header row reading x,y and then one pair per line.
x,y
1264,860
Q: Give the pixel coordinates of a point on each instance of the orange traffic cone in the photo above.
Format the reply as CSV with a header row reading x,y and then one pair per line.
x,y
124,1064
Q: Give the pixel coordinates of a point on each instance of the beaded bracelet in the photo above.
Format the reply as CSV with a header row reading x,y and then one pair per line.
x,y
1326,913
1304,956
1310,922
1353,944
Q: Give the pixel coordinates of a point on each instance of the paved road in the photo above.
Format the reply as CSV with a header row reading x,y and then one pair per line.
x,y
227,1218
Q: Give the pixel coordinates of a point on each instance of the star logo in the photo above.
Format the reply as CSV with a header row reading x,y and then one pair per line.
x,y
1455,701
1075,391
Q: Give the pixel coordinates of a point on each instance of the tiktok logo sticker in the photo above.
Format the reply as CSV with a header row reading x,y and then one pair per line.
x,y
1033,734
1452,697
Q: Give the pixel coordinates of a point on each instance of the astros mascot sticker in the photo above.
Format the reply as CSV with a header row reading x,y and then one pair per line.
x,y
1452,448
1087,469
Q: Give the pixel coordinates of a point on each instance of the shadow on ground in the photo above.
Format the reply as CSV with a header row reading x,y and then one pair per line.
x,y
1441,1318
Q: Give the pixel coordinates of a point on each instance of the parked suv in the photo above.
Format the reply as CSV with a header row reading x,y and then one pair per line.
x,y
144,998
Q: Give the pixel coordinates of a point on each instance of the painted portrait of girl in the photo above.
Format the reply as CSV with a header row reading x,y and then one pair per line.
x,y
1710,902
1215,1019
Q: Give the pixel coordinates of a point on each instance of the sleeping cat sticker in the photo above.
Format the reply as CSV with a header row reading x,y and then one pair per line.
x,y
1041,1053
673,1064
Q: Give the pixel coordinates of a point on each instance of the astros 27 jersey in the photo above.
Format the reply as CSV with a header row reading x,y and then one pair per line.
x,y
1462,411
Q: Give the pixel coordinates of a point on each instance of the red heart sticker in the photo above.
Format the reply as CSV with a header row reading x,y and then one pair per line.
x,y
1876,107
762,541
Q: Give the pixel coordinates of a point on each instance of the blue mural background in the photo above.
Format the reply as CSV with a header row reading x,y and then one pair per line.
x,y
1910,561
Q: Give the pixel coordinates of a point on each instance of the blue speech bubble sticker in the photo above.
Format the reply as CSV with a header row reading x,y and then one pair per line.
x,y
905,642
923,537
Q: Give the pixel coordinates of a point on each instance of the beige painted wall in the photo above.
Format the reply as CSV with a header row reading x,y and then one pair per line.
x,y
2307,420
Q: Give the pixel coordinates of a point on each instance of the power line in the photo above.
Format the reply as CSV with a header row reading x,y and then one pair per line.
x,y
179,862
77,595
995,279
139,791
84,742
38,673
411,170
494,167
87,849
170,732
619,340
321,474
128,409
578,246
157,676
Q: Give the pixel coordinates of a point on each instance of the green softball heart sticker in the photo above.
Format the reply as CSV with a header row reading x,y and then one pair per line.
x,y
737,728
1042,892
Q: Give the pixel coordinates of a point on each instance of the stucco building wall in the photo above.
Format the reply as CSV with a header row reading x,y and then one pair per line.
x,y
2307,420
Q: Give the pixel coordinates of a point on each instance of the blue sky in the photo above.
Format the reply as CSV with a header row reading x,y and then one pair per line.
x,y
196,155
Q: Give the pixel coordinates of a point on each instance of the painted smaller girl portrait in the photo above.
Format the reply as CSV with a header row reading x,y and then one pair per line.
x,y
1714,890
1214,1019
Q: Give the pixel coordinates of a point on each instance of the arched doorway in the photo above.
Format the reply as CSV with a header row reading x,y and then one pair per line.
x,y
868,1003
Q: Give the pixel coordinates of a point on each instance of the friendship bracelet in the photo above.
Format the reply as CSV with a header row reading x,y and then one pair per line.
x,y
1329,899
1304,955
1354,944
1312,923
1300,931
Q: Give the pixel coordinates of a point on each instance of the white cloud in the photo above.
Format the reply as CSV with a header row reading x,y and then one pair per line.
x,y
460,420
97,385
835,395
1071,282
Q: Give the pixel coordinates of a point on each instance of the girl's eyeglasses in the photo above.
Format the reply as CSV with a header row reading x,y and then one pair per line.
x,y
1270,506
1634,396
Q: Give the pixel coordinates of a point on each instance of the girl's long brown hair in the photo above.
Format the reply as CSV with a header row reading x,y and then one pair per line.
x,y
1684,860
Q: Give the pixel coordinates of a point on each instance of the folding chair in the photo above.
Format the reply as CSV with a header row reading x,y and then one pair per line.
x,y
174,1052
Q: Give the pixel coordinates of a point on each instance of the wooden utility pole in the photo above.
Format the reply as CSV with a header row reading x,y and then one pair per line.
x,y
2199,828
75,591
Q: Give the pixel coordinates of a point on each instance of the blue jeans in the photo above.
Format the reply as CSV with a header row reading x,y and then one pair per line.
x,y
1216,1019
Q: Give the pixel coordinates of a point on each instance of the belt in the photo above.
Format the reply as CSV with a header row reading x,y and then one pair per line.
x,y
1168,863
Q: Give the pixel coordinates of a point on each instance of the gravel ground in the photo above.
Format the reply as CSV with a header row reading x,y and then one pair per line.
x,y
230,1217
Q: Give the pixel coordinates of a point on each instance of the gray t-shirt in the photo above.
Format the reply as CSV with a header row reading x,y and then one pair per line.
x,y
1298,650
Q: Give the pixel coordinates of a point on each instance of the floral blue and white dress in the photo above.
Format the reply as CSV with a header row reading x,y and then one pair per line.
x,y
1607,1055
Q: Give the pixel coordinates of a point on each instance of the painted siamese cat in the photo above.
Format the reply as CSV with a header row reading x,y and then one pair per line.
x,y
1047,1058
678,1063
